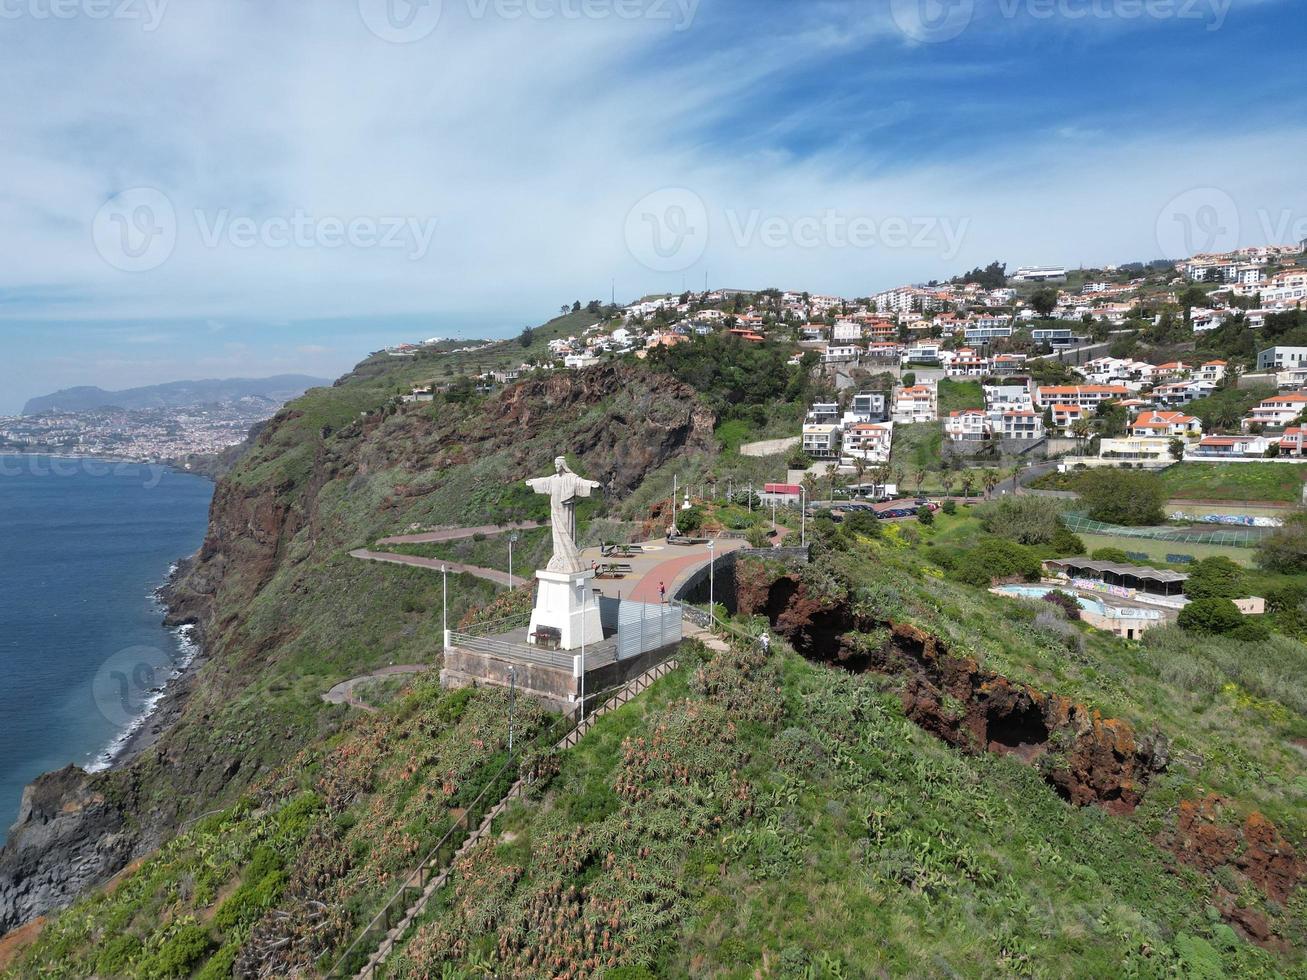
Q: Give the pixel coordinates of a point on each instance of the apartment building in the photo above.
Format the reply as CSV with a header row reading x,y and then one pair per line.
x,y
1166,424
1085,396
1278,411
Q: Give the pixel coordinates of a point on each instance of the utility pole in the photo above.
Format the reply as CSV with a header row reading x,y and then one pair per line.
x,y
512,539
512,700
444,606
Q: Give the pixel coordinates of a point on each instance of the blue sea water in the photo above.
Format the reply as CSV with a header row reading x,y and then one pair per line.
x,y
84,544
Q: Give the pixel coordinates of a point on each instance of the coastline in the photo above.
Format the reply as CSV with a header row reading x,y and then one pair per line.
x,y
171,464
165,703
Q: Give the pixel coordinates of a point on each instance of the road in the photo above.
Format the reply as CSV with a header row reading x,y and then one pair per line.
x,y
461,533
434,564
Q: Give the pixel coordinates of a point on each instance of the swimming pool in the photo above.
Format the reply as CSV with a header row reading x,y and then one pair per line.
x,y
1087,603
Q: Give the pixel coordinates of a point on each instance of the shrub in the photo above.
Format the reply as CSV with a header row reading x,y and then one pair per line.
x,y
1067,603
1251,631
996,558
863,522
1111,554
178,956
949,507
116,954
1128,497
1285,549
925,515
1215,578
1210,617
1026,520
1067,542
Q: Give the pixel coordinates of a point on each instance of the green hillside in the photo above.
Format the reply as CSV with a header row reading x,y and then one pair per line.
x,y
922,779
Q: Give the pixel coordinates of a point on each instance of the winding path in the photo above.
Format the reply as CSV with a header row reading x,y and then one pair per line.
x,y
344,692
461,533
434,564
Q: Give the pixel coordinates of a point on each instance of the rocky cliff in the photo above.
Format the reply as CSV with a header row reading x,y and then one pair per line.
x,y
283,613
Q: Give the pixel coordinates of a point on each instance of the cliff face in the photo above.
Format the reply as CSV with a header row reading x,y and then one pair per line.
x,y
276,599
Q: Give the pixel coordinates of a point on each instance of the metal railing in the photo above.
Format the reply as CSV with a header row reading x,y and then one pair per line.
x,y
399,909
410,898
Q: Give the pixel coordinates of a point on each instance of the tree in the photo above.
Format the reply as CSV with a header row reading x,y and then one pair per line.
x,y
1130,497
968,484
909,378
564,310
1176,448
1210,617
526,336
1044,301
576,307
1215,578
989,478
919,478
947,481
925,516
1285,549
1081,429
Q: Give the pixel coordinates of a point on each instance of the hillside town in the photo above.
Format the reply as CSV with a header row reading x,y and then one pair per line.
x,y
1103,367
159,435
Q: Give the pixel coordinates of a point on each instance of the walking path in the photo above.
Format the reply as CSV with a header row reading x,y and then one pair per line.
x,y
461,533
434,564
344,692
659,562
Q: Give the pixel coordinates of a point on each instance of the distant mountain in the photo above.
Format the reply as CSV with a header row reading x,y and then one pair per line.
x,y
177,394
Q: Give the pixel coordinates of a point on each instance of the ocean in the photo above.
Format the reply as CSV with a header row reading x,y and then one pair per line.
x,y
84,544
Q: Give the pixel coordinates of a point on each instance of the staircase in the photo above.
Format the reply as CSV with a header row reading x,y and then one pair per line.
x,y
443,868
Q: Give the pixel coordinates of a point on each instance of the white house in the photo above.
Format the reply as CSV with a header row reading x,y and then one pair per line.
x,y
869,441
967,425
915,404
821,441
1277,411
1170,424
1281,358
1020,425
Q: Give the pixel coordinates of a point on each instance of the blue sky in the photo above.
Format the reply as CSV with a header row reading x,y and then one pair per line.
x,y
247,187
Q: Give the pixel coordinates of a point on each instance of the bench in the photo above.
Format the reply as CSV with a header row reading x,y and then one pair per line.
x,y
548,637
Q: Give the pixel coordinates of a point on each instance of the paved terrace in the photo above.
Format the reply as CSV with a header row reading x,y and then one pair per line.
x,y
658,561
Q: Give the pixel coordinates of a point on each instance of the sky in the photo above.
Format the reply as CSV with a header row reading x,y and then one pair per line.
x,y
219,188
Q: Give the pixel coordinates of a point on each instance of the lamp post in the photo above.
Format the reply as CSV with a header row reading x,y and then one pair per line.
x,y
712,573
444,606
512,539
803,518
584,596
512,699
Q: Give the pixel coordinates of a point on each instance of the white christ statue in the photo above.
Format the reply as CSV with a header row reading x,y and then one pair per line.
x,y
564,489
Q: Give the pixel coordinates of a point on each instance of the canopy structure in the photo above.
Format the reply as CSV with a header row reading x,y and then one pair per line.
x,y
1153,581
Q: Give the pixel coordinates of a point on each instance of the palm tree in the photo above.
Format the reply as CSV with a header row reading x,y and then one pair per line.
x,y
990,480
946,481
896,473
1015,474
920,478
968,484
1080,428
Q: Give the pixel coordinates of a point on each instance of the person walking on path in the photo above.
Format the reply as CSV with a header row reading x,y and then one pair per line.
x,y
662,593
765,642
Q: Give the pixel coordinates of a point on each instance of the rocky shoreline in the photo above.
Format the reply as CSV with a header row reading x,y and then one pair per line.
x,y
77,828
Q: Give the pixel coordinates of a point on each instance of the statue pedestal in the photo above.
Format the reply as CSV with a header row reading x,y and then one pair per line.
x,y
564,603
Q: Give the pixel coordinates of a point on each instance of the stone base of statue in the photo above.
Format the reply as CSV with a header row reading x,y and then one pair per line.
x,y
565,603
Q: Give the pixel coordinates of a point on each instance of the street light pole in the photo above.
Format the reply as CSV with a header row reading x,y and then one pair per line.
x,y
803,518
584,596
444,606
712,573
512,537
512,698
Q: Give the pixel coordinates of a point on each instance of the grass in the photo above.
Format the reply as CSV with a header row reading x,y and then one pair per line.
x,y
1262,482
1158,550
954,396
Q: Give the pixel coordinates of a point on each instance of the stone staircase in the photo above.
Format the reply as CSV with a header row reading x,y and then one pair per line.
x,y
629,691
